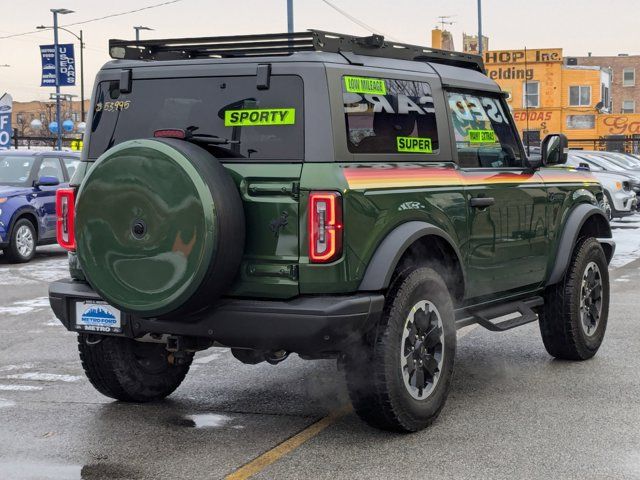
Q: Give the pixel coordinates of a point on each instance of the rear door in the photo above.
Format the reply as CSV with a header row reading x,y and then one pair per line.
x,y
506,201
259,127
45,197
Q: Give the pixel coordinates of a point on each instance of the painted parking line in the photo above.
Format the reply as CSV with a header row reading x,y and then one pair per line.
x,y
263,461
258,464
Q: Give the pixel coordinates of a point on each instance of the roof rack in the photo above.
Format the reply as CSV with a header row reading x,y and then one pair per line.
x,y
276,44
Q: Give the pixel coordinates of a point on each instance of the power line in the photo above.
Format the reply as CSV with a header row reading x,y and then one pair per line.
x,y
355,20
119,14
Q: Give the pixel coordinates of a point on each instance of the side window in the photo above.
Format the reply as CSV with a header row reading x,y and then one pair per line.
x,y
389,116
71,164
485,138
50,167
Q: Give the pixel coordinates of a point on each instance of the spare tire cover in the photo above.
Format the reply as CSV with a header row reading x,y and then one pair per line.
x,y
159,227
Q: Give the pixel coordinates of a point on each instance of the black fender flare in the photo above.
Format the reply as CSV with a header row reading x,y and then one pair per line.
x,y
395,244
574,223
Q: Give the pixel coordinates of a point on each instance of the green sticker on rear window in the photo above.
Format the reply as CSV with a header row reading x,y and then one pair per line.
x,y
414,144
365,85
482,136
260,117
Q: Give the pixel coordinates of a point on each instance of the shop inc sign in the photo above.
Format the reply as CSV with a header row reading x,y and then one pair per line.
x,y
515,64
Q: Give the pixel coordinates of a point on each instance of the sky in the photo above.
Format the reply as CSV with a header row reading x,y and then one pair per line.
x,y
578,26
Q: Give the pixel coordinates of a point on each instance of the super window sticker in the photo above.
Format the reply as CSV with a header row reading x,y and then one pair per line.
x,y
414,144
259,117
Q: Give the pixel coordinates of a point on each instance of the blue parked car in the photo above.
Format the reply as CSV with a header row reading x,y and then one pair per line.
x,y
28,184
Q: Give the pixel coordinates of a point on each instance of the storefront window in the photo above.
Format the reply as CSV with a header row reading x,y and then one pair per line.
x,y
581,122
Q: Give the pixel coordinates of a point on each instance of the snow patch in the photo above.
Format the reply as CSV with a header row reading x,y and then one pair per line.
x,y
22,366
44,377
626,234
22,307
6,403
213,356
19,388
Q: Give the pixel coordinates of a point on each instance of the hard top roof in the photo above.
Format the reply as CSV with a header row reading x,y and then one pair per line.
x,y
285,44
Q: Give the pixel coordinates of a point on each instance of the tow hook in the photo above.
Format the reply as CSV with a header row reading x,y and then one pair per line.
x,y
181,348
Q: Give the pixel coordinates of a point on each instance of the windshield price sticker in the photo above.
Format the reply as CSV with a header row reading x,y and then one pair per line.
x,y
373,86
482,136
414,144
260,117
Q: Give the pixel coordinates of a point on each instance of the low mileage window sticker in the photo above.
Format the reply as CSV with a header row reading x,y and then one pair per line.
x,y
482,136
365,85
414,144
259,117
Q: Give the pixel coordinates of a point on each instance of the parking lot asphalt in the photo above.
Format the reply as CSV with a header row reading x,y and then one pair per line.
x,y
513,412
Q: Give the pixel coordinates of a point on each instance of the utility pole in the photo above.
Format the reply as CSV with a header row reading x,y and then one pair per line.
x,y
290,16
56,11
81,79
480,46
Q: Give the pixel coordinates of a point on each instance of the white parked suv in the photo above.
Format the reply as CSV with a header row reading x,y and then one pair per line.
x,y
616,185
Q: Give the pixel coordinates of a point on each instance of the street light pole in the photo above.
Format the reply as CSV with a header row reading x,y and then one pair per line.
x,y
56,11
57,64
81,79
480,49
290,16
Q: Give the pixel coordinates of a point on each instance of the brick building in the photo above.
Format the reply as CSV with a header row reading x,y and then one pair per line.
x,y
625,91
25,112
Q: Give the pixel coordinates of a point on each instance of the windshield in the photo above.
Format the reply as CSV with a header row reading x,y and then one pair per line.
x,y
260,124
603,162
15,170
622,160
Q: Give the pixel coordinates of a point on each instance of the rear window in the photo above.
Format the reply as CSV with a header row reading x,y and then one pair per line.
x,y
389,116
259,124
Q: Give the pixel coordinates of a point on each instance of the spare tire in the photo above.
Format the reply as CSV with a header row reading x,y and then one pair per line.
x,y
159,227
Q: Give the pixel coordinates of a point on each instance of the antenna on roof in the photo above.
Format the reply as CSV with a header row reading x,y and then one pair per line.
x,y
445,20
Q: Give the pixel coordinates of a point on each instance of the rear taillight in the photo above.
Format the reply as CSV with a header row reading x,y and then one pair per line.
x,y
65,224
325,226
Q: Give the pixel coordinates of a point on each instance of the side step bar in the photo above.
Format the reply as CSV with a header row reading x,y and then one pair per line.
x,y
486,316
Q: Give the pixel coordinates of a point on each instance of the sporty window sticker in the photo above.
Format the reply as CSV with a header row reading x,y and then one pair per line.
x,y
414,144
365,85
259,117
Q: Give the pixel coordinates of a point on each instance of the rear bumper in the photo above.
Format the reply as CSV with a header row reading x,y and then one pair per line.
x,y
311,325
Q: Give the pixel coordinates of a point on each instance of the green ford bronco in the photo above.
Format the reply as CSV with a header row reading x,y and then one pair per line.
x,y
325,195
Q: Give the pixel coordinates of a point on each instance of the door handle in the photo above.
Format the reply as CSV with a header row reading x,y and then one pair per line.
x,y
481,202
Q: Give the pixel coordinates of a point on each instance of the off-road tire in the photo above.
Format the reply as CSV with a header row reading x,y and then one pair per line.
x,y
373,371
113,367
11,252
560,322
